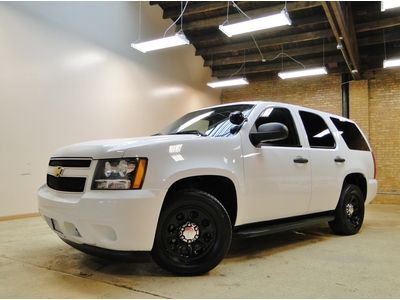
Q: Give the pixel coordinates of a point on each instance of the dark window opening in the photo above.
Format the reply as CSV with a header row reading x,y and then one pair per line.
x,y
351,135
318,133
279,115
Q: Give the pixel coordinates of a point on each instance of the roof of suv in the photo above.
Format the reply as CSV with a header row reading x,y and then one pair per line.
x,y
281,104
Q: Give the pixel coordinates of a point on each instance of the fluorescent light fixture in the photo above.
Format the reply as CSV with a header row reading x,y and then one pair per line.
x,y
257,24
228,82
389,63
389,4
167,42
303,73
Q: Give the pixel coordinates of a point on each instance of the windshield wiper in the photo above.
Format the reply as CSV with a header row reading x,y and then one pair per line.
x,y
197,132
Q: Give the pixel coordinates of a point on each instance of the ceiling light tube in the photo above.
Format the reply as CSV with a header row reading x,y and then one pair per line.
x,y
166,42
271,21
303,73
228,82
389,4
389,63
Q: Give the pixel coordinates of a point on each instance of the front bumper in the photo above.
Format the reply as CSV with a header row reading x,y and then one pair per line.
x,y
123,256
114,220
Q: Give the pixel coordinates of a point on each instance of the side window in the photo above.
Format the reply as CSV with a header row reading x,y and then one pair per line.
x,y
318,133
351,135
280,115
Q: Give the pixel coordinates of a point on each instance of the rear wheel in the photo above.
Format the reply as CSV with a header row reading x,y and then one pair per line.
x,y
349,213
193,235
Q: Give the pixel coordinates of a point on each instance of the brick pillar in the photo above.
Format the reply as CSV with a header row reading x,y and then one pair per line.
x,y
359,104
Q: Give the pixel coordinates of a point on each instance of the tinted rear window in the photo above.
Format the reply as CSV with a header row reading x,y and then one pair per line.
x,y
351,135
318,133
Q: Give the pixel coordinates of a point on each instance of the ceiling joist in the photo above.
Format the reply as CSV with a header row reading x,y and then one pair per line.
x,y
378,24
256,57
276,41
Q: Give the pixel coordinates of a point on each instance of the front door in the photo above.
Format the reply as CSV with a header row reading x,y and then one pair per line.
x,y
277,174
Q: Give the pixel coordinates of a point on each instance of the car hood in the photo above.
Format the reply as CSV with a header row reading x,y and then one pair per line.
x,y
116,148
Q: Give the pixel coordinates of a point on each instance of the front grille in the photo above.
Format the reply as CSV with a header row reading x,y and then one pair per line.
x,y
59,177
66,184
71,163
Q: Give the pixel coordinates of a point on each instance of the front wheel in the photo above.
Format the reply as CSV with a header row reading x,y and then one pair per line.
x,y
193,235
349,213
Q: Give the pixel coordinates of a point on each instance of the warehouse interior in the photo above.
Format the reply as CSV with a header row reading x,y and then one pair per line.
x,y
69,74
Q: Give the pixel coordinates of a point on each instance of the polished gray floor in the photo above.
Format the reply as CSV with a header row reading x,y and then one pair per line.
x,y
310,263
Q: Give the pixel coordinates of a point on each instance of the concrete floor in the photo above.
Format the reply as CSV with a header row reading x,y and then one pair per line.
x,y
309,263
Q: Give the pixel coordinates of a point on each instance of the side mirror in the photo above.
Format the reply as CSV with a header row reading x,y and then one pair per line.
x,y
269,132
237,118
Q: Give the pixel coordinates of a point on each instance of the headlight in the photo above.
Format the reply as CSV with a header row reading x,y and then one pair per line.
x,y
119,174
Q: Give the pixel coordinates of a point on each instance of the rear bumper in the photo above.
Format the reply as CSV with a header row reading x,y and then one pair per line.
x,y
114,220
372,189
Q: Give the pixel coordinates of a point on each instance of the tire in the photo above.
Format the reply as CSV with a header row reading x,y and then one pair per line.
x,y
349,213
193,235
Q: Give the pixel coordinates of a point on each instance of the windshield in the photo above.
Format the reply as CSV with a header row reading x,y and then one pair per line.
x,y
207,122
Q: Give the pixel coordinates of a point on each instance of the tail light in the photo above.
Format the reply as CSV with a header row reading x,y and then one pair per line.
x,y
373,157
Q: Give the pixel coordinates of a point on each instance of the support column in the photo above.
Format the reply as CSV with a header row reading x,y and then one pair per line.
x,y
345,95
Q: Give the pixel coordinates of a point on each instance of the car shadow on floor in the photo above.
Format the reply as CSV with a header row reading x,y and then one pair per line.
x,y
267,245
141,263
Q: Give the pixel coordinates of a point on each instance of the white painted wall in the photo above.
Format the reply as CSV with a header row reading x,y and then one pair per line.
x,y
68,74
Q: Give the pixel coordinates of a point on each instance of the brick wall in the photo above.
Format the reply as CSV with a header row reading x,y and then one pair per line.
x,y
384,120
323,93
374,105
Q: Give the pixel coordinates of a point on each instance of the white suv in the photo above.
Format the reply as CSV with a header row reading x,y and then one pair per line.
x,y
247,168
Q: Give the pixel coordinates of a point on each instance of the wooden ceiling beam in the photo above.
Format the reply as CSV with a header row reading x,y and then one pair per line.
x,y
378,24
209,23
345,21
251,58
280,40
194,8
378,38
342,25
277,66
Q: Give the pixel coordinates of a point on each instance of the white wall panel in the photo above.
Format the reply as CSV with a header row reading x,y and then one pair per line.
x,y
68,74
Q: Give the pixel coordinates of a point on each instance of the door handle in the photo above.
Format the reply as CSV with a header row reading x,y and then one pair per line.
x,y
300,160
339,159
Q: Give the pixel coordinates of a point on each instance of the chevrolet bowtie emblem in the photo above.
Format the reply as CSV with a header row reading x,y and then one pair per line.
x,y
58,171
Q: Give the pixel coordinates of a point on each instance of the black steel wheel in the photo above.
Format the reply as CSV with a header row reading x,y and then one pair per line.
x,y
349,213
193,235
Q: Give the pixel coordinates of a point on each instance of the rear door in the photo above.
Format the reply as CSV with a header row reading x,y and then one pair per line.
x,y
327,162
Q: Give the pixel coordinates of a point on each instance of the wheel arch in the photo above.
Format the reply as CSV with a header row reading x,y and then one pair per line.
x,y
359,180
221,187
